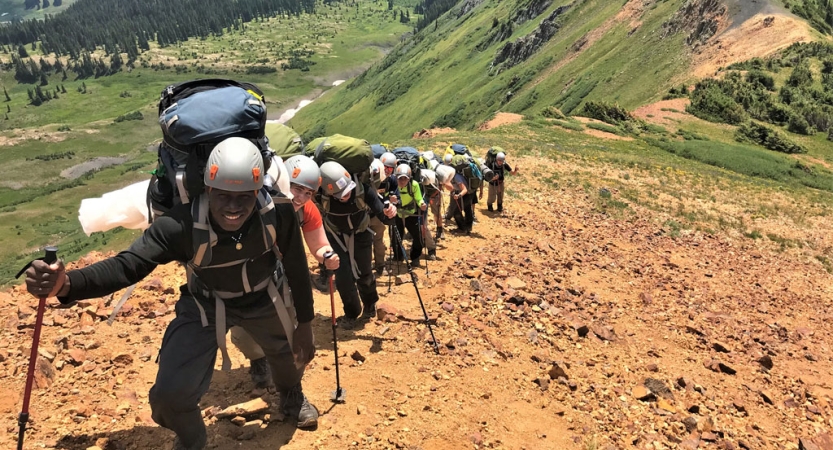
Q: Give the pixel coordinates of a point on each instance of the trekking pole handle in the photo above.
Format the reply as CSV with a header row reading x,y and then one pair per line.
x,y
329,254
51,255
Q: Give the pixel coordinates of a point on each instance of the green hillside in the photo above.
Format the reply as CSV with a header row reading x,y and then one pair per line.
x,y
446,75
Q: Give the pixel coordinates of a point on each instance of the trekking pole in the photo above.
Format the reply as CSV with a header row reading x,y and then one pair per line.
x,y
419,297
50,257
390,266
423,228
337,395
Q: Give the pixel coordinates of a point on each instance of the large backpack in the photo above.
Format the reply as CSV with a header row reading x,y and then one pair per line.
x,y
464,166
460,149
378,150
195,116
284,141
411,157
352,153
491,155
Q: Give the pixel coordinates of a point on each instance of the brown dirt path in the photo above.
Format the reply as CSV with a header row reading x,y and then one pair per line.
x,y
613,300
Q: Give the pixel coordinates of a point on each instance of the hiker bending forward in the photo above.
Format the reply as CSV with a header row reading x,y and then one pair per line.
x,y
232,239
346,207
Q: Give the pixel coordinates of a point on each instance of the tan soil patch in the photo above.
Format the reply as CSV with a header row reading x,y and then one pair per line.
x,y
22,135
501,118
606,135
654,112
753,38
429,133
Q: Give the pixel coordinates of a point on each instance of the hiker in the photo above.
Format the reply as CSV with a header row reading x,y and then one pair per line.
x,y
431,195
387,189
496,188
304,181
232,228
410,209
460,202
347,206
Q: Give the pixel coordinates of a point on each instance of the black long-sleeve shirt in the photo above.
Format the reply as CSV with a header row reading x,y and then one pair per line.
x,y
170,238
344,217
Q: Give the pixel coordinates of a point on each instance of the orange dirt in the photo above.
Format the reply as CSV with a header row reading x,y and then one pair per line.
x,y
756,37
658,112
551,318
429,133
501,118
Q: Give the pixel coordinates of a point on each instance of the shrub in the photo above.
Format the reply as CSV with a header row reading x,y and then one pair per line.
x,y
799,125
64,128
759,77
606,128
135,115
801,76
830,134
710,102
551,112
767,137
680,91
606,112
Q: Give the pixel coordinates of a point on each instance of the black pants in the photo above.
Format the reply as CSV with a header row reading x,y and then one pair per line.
x,y
463,212
412,224
349,288
189,350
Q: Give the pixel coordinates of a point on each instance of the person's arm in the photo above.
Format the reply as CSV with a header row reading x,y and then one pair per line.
x,y
463,189
163,242
509,168
377,209
315,237
294,262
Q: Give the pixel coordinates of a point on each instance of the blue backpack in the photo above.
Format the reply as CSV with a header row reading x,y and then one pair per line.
x,y
195,116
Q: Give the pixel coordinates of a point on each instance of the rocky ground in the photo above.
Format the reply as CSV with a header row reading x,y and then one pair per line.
x,y
559,327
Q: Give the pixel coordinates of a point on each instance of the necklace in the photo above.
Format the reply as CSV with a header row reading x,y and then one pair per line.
x,y
238,245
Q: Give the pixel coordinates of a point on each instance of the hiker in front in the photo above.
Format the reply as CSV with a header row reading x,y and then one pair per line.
x,y
243,254
304,181
347,204
410,209
500,167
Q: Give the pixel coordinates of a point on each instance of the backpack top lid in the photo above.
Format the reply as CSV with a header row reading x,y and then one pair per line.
x,y
460,149
378,150
352,153
283,140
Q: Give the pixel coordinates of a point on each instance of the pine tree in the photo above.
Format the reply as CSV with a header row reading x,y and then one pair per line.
x,y
21,50
8,108
63,89
43,80
6,93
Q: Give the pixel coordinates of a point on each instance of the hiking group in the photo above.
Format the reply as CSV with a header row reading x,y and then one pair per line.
x,y
231,199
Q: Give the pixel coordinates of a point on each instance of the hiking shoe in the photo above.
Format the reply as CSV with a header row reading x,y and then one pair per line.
x,y
499,208
432,255
199,445
369,312
416,262
295,404
380,270
490,208
261,373
321,282
439,234
347,323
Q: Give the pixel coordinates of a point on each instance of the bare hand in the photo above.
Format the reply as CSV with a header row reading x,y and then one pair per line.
x,y
331,263
390,211
303,346
44,280
423,206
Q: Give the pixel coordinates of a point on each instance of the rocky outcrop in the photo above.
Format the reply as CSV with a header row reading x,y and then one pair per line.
x,y
531,11
467,6
699,18
514,53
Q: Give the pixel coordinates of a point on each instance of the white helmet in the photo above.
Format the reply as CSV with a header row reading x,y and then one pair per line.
x,y
402,170
335,180
445,173
377,171
303,171
447,158
428,177
429,155
388,159
500,157
235,164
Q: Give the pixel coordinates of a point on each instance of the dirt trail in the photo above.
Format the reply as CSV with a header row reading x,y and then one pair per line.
x,y
552,317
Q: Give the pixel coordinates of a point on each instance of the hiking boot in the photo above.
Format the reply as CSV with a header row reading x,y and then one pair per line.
x,y
295,404
380,270
369,312
490,208
432,255
261,373
439,234
199,445
347,323
321,282
499,207
416,262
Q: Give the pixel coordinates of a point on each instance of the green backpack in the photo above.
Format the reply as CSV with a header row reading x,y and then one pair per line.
x,y
284,141
491,155
352,153
464,166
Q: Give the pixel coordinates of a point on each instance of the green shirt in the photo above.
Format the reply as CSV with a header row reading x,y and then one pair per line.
x,y
410,199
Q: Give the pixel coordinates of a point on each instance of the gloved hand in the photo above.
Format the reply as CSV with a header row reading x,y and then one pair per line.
x,y
45,280
303,345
